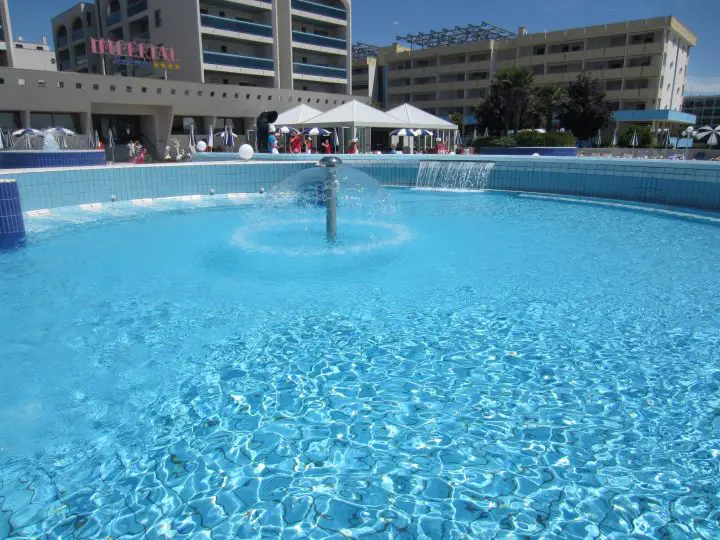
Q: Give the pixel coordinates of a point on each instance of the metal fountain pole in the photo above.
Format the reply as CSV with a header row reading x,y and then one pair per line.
x,y
331,163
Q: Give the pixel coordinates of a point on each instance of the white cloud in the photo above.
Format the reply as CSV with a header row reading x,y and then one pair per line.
x,y
702,85
396,23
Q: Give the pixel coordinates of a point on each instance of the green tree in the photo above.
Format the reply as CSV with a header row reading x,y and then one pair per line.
x,y
515,86
490,113
458,118
549,100
644,137
585,111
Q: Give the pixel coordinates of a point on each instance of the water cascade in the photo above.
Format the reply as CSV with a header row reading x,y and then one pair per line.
x,y
470,175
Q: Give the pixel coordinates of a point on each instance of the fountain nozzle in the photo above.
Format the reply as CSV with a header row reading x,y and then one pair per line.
x,y
331,186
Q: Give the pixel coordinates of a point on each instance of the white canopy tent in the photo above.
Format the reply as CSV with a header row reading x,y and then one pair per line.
x,y
296,116
357,117
415,118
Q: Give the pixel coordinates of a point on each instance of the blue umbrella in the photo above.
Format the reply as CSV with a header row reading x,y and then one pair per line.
x,y
404,132
316,131
423,133
229,137
614,138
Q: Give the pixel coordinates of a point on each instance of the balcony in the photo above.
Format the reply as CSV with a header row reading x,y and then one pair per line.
x,y
319,71
78,34
113,18
62,41
231,25
136,7
319,41
236,60
319,9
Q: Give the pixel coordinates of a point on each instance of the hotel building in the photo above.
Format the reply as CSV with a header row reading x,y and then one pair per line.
x,y
233,59
706,108
641,64
285,44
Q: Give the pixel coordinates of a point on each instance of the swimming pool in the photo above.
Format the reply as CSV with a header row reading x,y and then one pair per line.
x,y
465,364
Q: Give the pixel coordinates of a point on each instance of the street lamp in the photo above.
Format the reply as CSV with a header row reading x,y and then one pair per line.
x,y
687,132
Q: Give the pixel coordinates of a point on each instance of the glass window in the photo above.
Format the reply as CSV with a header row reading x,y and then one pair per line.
x,y
158,18
181,124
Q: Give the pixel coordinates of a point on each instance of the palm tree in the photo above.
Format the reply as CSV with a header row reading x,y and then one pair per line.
x,y
550,98
516,86
458,118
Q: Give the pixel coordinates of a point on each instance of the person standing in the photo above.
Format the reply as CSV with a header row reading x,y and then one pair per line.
x,y
326,147
272,140
440,147
295,143
308,145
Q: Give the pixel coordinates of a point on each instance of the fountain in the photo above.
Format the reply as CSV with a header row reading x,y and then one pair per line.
x,y
51,147
466,175
327,209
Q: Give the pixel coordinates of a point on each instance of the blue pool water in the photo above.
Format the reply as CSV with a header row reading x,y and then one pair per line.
x,y
463,365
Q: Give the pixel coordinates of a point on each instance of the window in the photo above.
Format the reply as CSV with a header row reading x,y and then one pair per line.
x,y
181,124
203,11
112,87
224,94
172,92
158,91
158,18
78,86
212,94
144,89
41,84
128,88
96,87
187,92
221,14
226,81
61,84
223,48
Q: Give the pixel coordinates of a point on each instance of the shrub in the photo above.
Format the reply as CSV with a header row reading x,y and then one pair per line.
x,y
484,142
557,138
530,138
644,135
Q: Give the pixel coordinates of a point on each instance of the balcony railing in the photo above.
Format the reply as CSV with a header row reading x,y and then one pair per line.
x,y
319,9
319,71
136,7
236,60
321,41
113,18
62,41
78,34
231,25
81,59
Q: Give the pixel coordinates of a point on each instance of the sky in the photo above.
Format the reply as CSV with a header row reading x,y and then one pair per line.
x,y
379,21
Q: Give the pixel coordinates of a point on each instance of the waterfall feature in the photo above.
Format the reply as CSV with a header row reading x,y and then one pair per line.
x,y
453,174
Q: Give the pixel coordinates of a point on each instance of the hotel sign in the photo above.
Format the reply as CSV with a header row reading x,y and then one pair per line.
x,y
136,54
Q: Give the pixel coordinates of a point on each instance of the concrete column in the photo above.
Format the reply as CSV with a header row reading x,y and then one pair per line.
x,y
86,122
7,28
25,115
282,47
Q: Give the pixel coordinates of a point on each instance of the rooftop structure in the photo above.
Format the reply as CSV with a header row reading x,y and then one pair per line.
x,y
455,36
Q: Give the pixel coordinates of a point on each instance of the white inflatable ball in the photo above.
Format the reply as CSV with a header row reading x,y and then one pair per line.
x,y
201,146
246,152
536,154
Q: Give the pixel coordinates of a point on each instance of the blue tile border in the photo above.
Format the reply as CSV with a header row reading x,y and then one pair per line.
x,y
690,184
12,159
